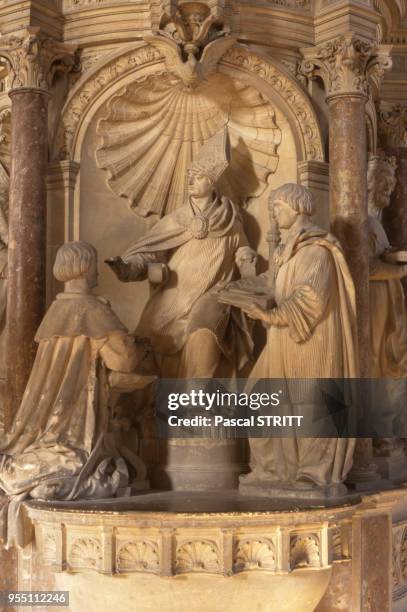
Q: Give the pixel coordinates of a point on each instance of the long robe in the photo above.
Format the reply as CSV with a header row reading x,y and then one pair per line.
x,y
3,307
64,412
388,328
312,335
187,302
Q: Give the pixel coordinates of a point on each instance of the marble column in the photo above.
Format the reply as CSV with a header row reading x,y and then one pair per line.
x,y
27,233
32,59
348,65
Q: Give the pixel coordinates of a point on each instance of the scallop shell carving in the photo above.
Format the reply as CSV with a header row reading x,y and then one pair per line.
x,y
254,554
153,129
86,553
198,556
304,552
138,556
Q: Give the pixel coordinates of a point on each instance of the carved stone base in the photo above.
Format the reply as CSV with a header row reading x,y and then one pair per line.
x,y
178,552
393,467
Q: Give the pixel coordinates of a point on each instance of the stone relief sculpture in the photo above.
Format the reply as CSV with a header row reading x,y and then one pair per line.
x,y
62,444
311,334
153,129
199,246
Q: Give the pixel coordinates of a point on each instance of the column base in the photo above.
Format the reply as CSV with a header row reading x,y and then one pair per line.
x,y
251,485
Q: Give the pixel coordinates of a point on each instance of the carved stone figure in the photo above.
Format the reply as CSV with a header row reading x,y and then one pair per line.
x,y
201,243
311,334
61,444
4,182
388,326
388,317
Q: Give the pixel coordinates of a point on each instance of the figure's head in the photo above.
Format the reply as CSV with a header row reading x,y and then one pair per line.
x,y
209,165
381,181
76,260
289,201
199,184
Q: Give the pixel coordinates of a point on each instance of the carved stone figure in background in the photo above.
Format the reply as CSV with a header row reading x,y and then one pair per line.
x,y
311,334
59,446
388,317
3,284
388,326
202,242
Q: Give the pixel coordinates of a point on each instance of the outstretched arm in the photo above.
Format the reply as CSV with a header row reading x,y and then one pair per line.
x,y
136,267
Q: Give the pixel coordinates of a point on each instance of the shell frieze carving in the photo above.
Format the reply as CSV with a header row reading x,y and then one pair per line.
x,y
86,553
152,130
304,552
198,556
138,556
251,554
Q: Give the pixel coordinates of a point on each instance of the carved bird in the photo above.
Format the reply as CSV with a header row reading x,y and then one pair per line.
x,y
192,71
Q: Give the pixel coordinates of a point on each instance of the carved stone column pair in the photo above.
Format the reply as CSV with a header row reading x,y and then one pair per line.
x,y
349,66
32,60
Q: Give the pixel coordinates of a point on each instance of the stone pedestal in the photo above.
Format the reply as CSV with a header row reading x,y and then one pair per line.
x,y
205,552
194,464
27,235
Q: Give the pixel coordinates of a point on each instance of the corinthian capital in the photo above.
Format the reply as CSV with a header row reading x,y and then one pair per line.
x,y
32,59
347,65
392,125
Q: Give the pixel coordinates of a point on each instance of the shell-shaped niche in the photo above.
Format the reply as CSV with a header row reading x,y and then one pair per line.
x,y
152,130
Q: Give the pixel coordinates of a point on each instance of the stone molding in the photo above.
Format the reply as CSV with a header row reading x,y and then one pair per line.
x,y
166,545
392,120
289,90
348,65
32,58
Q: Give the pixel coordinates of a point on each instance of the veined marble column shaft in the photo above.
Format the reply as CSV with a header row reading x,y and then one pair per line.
x,y
348,202
27,234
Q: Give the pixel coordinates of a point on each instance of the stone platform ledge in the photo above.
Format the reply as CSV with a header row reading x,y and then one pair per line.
x,y
151,534
178,552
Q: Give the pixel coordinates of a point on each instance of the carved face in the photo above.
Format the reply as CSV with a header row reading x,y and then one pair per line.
x,y
199,185
384,184
284,214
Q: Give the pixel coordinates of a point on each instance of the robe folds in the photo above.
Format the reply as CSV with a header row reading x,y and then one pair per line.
x,y
388,328
312,334
64,412
197,268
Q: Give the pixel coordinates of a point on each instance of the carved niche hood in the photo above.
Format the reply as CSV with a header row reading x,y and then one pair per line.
x,y
153,128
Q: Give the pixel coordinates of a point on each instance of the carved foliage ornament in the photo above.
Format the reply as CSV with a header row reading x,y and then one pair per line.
x,y
346,65
33,59
152,131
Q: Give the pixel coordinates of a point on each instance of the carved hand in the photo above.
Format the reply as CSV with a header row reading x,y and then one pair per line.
x,y
256,312
120,268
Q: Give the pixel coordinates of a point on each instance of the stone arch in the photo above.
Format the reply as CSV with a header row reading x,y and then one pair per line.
x,y
139,60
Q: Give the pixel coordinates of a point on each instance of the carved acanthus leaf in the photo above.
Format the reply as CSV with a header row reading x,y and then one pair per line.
x,y
33,59
346,64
